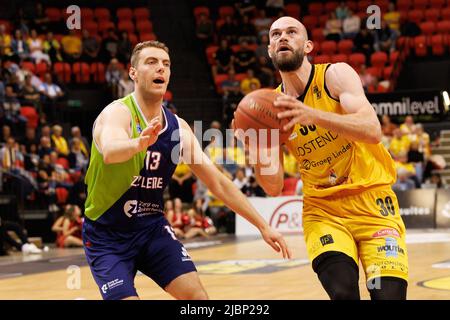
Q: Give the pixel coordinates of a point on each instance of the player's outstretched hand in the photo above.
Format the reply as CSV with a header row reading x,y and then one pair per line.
x,y
276,241
149,135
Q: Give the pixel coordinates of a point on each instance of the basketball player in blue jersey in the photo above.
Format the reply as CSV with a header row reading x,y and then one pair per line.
x,y
137,144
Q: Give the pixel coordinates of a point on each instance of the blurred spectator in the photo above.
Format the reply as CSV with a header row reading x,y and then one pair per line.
x,y
410,29
241,181
77,160
364,42
423,140
125,85
261,50
403,182
72,46
113,77
264,72
408,127
45,146
367,79
434,162
214,150
245,8
247,30
342,11
11,109
181,184
262,23
245,58
109,46
416,158
204,30
69,234
6,134
385,38
52,47
333,28
223,58
76,133
50,93
174,215
351,25
37,48
194,227
247,82
229,30
31,159
274,7
5,42
231,86
30,95
91,47
10,155
124,48
24,245
40,21
436,180
60,143
254,189
392,17
399,144
30,138
387,127
290,164
19,46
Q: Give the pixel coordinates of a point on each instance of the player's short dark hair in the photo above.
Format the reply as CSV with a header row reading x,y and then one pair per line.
x,y
146,44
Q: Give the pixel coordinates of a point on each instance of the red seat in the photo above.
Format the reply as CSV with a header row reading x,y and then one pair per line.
x,y
393,56
218,79
87,14
90,26
30,66
133,38
403,5
378,59
315,8
147,36
32,116
63,162
63,71
432,14
168,96
292,10
323,20
345,46
141,13
443,27
41,69
81,71
437,45
322,58
310,22
356,60
420,46
61,195
339,58
328,47
362,5
415,16
289,186
144,26
124,14
126,25
105,25
383,4
317,34
331,6
428,28
420,4
226,11
438,4
352,5
102,14
376,72
53,14
240,76
446,14
97,71
201,10
387,72
210,51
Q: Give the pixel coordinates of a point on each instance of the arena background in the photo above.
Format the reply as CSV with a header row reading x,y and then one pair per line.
x,y
405,70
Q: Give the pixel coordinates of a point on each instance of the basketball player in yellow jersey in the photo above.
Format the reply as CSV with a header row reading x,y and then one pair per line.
x,y
350,212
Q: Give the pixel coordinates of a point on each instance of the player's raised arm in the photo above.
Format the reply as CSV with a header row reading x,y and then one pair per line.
x,y
112,134
224,189
360,123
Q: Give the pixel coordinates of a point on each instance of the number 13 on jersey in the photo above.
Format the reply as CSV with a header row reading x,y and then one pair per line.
x,y
152,160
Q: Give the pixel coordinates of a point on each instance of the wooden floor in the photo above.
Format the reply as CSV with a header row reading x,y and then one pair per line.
x,y
242,270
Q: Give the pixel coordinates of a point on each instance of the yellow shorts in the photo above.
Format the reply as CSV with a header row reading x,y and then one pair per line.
x,y
366,227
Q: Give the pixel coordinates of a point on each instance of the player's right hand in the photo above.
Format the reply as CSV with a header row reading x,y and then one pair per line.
x,y
276,241
149,135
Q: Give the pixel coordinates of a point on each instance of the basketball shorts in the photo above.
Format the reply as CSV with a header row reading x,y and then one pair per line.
x,y
366,227
115,257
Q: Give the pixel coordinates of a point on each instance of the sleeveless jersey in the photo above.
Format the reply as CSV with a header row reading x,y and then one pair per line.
x,y
330,164
129,195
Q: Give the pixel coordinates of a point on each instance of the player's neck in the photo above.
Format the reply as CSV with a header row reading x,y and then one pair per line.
x,y
294,83
150,105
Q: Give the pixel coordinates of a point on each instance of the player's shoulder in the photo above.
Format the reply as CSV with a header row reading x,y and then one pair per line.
x,y
116,109
338,69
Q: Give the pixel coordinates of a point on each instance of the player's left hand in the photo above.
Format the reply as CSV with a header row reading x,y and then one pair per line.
x,y
276,241
297,111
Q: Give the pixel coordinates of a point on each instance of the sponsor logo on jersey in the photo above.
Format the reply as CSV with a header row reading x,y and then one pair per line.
x,y
111,285
185,255
326,239
140,208
391,248
386,232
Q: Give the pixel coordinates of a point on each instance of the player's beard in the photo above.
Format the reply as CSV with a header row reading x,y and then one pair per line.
x,y
288,64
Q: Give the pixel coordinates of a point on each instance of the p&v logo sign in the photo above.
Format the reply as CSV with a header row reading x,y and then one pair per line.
x,y
287,217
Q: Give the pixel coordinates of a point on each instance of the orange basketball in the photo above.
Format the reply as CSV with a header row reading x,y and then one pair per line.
x,y
256,111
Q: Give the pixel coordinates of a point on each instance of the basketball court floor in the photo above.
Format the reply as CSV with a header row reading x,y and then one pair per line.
x,y
243,268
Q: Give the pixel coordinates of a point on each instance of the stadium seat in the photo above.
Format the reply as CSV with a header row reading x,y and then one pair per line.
x,y
317,35
438,4
331,6
133,38
41,69
323,20
376,72
144,26
210,51
218,79
226,11
61,195
31,114
315,8
420,46
420,4
328,47
356,60
387,72
428,28
28,65
124,14
141,13
383,4
310,22
81,72
292,10
97,70
63,71
340,57
102,14
90,26
316,49
168,96
378,59
446,14
53,14
87,14
199,10
345,46
393,56
438,45
147,36
432,14
126,25
352,5
403,5
240,76
362,5
322,58
415,16
105,25
443,27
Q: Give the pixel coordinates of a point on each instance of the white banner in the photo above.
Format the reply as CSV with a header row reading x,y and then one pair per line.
x,y
282,213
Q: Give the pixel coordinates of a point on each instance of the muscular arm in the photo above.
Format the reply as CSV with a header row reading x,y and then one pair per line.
x,y
271,183
112,134
359,123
